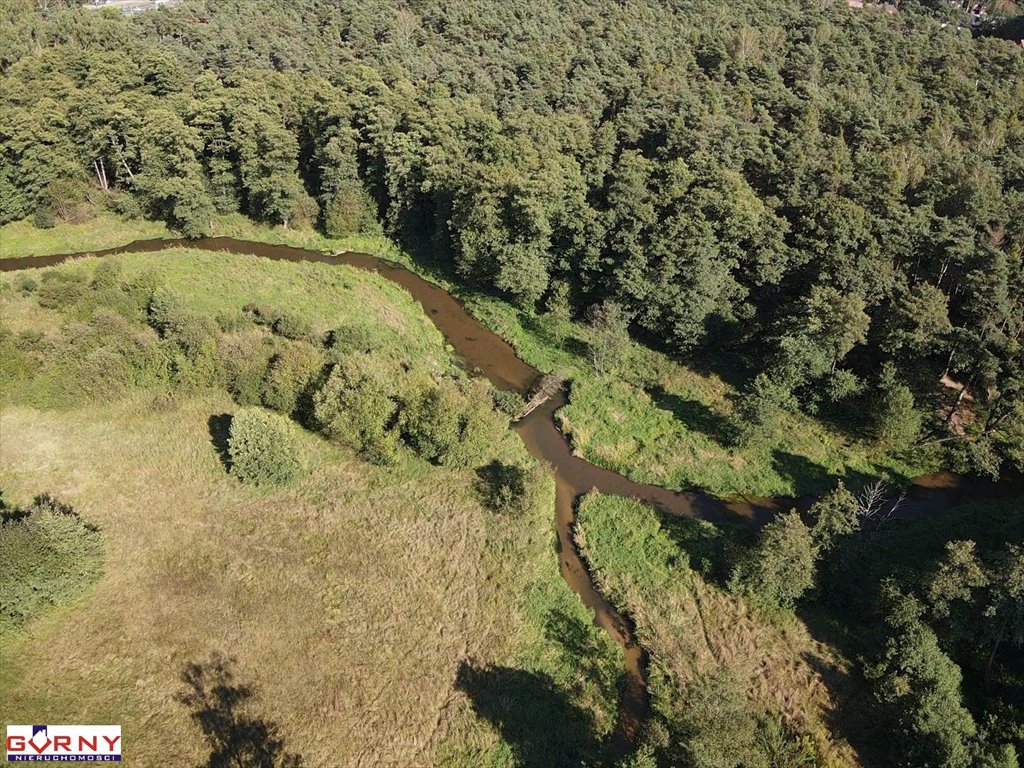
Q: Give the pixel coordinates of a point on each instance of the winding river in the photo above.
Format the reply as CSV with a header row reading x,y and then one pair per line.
x,y
481,349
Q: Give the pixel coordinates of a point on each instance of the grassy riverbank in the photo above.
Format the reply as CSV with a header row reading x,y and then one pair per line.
x,y
420,614
658,421
662,422
662,573
105,230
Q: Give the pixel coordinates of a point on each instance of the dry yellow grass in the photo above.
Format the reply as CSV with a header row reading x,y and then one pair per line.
x,y
349,601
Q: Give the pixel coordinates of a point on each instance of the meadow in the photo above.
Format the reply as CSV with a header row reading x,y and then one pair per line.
x,y
667,574
366,615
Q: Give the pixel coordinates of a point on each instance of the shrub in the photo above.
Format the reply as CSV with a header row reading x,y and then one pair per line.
x,y
451,424
263,449
26,285
191,332
508,402
50,558
350,210
107,275
262,314
346,339
506,488
778,571
292,327
895,421
43,217
358,405
716,726
164,305
290,377
432,420
61,290
482,428
245,357
138,294
230,322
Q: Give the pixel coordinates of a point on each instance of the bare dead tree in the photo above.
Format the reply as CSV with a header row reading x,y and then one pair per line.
x,y
101,173
875,505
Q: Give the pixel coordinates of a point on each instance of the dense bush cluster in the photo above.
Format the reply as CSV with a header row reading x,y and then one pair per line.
x,y
120,334
49,556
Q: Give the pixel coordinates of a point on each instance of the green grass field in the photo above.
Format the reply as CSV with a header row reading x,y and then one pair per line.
x,y
380,615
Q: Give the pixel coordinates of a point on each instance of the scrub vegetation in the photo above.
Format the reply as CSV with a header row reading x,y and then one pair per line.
x,y
50,557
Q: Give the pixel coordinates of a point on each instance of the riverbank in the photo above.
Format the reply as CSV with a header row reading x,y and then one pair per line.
x,y
657,422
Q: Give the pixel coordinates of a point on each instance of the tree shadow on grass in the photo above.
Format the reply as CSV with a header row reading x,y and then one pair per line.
x,y
807,477
579,648
219,426
854,709
543,728
711,550
236,739
695,415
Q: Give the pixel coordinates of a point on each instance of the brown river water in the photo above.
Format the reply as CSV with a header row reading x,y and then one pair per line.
x,y
481,349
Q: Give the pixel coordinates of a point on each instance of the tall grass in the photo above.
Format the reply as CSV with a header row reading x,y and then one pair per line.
x,y
353,601
350,601
692,627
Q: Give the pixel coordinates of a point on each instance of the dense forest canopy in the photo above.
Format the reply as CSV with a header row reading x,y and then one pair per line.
x,y
837,192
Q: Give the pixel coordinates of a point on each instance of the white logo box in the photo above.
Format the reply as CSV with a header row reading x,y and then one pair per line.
x,y
63,743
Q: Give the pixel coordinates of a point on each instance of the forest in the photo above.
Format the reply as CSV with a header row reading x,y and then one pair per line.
x,y
836,195
812,211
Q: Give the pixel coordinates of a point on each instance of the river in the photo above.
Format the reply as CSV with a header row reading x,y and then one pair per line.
x,y
481,349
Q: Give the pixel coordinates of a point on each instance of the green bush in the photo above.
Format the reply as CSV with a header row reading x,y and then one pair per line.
x,y
452,425
231,322
244,358
191,332
508,402
346,339
507,488
164,306
358,405
61,290
778,571
895,422
48,557
292,327
25,285
263,449
290,377
262,314
43,217
432,420
107,275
